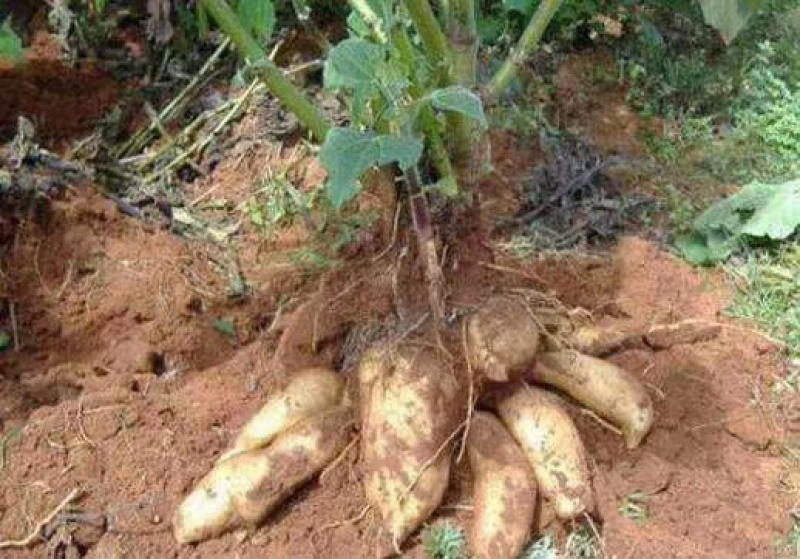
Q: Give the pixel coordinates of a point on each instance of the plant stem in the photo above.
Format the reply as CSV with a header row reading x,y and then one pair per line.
x,y
463,35
371,18
524,47
267,71
427,118
433,39
423,227
462,32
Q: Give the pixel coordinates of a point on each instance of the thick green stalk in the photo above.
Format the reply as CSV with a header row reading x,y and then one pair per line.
x,y
463,35
433,39
272,76
524,47
462,31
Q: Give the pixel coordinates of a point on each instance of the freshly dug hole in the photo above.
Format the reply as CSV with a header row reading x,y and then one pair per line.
x,y
502,339
504,488
245,488
606,389
308,393
550,440
412,403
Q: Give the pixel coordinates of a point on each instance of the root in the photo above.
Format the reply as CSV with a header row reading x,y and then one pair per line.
x,y
429,462
339,459
470,395
36,532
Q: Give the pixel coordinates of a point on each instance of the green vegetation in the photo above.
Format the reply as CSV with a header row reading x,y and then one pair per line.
x,y
444,541
768,293
634,507
10,43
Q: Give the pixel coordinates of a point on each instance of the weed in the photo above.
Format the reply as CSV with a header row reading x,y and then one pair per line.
x,y
444,541
277,201
543,548
582,544
519,247
7,439
769,293
634,507
681,210
791,543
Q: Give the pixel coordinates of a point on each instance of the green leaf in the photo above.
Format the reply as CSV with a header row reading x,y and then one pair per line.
x,y
225,326
10,44
347,154
5,341
694,249
258,16
779,217
353,63
729,16
759,210
459,99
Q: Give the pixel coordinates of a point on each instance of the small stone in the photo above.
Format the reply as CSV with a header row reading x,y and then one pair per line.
x,y
156,519
664,336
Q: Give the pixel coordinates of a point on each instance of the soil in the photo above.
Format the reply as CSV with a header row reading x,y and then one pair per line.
x,y
134,369
62,104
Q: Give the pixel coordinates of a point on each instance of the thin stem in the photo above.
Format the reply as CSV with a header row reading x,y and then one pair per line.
x,y
524,47
267,71
433,39
427,118
371,18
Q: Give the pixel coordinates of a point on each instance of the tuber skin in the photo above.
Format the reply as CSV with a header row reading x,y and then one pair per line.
x,y
309,392
551,442
505,490
604,388
244,489
502,340
411,406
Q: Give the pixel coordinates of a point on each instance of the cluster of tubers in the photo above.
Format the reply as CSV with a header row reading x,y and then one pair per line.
x,y
413,402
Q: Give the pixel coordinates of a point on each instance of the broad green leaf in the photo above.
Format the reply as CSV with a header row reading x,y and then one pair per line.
x,y
5,341
353,63
459,99
258,16
779,217
729,16
759,210
346,154
10,44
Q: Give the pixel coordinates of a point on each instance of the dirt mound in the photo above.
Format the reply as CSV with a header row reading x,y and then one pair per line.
x,y
127,387
63,103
